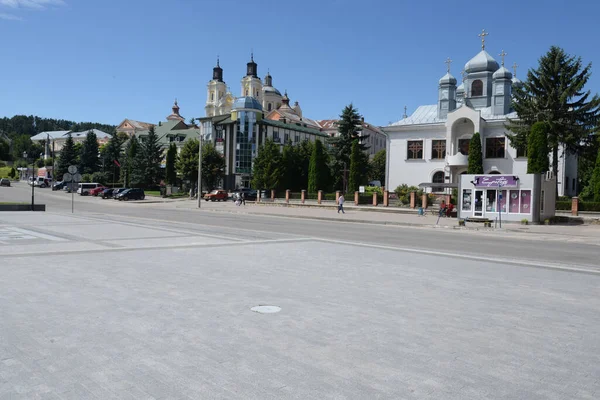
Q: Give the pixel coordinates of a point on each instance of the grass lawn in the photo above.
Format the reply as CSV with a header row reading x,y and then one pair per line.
x,y
157,193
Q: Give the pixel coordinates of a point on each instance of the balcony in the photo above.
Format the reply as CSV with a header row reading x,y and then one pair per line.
x,y
458,160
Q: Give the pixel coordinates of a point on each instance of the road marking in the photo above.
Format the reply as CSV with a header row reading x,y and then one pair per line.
x,y
14,233
511,261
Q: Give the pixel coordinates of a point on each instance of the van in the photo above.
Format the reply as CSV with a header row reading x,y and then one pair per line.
x,y
84,188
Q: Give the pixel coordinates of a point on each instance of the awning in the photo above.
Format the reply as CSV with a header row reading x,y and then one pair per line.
x,y
439,185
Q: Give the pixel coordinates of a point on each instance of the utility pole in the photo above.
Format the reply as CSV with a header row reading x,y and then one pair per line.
x,y
200,171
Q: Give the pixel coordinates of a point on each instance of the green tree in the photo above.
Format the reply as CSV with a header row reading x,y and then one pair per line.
x,y
317,170
148,160
67,157
475,155
537,149
187,162
213,166
593,188
170,171
554,93
113,157
12,173
266,173
289,168
89,162
5,151
354,178
130,170
377,170
303,154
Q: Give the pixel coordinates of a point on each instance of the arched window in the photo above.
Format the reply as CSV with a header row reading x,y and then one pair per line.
x,y
477,88
438,177
494,172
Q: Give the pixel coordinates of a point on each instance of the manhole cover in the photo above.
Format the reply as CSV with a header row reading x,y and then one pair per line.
x,y
266,309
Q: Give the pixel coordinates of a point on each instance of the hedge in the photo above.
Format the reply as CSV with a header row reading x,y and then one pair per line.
x,y
583,206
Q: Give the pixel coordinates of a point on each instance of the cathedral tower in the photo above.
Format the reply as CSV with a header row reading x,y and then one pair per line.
x,y
447,93
502,89
216,89
251,83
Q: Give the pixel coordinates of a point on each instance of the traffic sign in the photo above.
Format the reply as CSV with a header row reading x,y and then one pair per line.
x,y
72,169
77,178
67,177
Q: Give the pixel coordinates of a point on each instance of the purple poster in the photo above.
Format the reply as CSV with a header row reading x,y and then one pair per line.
x,y
525,201
514,201
486,181
503,200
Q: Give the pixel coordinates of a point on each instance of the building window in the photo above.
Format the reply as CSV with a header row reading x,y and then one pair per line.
x,y
415,150
269,106
276,136
438,177
297,138
494,147
286,137
566,184
542,202
477,88
212,96
438,149
463,146
247,92
521,151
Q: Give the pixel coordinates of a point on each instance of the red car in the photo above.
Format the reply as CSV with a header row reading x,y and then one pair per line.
x,y
96,191
216,195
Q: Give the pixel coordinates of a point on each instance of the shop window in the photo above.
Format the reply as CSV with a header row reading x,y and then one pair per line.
x,y
525,201
438,177
494,147
463,146
438,149
513,202
490,203
415,150
466,200
477,88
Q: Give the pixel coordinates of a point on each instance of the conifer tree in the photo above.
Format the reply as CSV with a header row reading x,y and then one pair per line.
x,y
170,171
68,157
89,162
537,149
317,170
354,178
475,155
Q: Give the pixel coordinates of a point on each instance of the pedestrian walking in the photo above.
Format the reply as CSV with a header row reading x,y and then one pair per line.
x,y
243,198
341,204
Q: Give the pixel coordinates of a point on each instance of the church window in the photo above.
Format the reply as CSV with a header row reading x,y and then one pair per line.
x,y
247,92
415,150
438,177
521,151
494,147
212,96
463,146
257,93
269,106
438,149
477,88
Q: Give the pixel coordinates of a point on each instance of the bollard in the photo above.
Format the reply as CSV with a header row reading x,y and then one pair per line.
x,y
303,196
374,198
386,198
356,198
337,196
575,206
424,200
287,196
273,194
412,199
319,196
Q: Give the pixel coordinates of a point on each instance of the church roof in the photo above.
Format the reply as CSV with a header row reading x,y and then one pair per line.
x,y
448,79
271,89
502,73
49,134
481,62
428,114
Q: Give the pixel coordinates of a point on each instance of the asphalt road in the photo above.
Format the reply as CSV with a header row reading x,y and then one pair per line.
x,y
501,246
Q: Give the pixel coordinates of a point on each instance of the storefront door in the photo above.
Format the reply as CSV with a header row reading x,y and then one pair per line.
x,y
478,203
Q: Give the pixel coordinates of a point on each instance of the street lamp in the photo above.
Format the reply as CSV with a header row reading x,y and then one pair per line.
x,y
200,171
32,179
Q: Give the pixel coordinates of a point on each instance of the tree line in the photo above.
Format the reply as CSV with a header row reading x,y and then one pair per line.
x,y
337,163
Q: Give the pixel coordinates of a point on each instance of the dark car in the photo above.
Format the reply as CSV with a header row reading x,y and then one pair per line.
x,y
249,194
4,182
59,185
107,193
131,194
116,192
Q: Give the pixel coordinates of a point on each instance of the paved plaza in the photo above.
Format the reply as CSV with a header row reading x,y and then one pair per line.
x,y
94,308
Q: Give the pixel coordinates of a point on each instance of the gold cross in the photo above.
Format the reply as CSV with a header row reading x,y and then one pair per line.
x,y
482,35
503,54
515,65
448,62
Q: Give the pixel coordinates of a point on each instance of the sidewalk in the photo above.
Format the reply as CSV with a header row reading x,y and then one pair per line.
x,y
359,215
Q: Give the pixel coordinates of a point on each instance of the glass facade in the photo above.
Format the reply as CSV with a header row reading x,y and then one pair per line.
x,y
244,143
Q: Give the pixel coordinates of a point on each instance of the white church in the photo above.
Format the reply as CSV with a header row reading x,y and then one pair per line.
x,y
432,144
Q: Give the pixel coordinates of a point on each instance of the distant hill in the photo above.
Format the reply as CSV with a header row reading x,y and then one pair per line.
x,y
24,125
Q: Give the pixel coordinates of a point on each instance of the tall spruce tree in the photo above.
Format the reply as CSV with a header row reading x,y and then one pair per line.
x,y
213,166
537,149
554,93
131,172
89,162
112,154
149,159
289,167
317,170
68,157
475,155
266,173
170,171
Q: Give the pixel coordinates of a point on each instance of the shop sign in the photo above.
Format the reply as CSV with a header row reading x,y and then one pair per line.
x,y
488,181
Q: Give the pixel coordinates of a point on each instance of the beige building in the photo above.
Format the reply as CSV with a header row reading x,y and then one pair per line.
x,y
375,138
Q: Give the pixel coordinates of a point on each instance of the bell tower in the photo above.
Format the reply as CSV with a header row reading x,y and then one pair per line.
x,y
216,90
251,83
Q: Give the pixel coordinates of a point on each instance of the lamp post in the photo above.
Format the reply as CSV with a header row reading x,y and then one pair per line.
x,y
32,179
199,195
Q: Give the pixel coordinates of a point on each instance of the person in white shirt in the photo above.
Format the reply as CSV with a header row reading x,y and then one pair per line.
x,y
341,204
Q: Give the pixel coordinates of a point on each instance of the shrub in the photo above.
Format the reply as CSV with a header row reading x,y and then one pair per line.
x,y
589,206
373,189
563,205
403,192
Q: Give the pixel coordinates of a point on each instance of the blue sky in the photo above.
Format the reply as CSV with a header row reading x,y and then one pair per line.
x,y
107,60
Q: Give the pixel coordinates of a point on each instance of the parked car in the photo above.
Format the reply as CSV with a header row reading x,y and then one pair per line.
x,y
116,192
4,182
131,194
96,191
39,181
216,195
59,185
249,194
107,193
70,187
84,188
